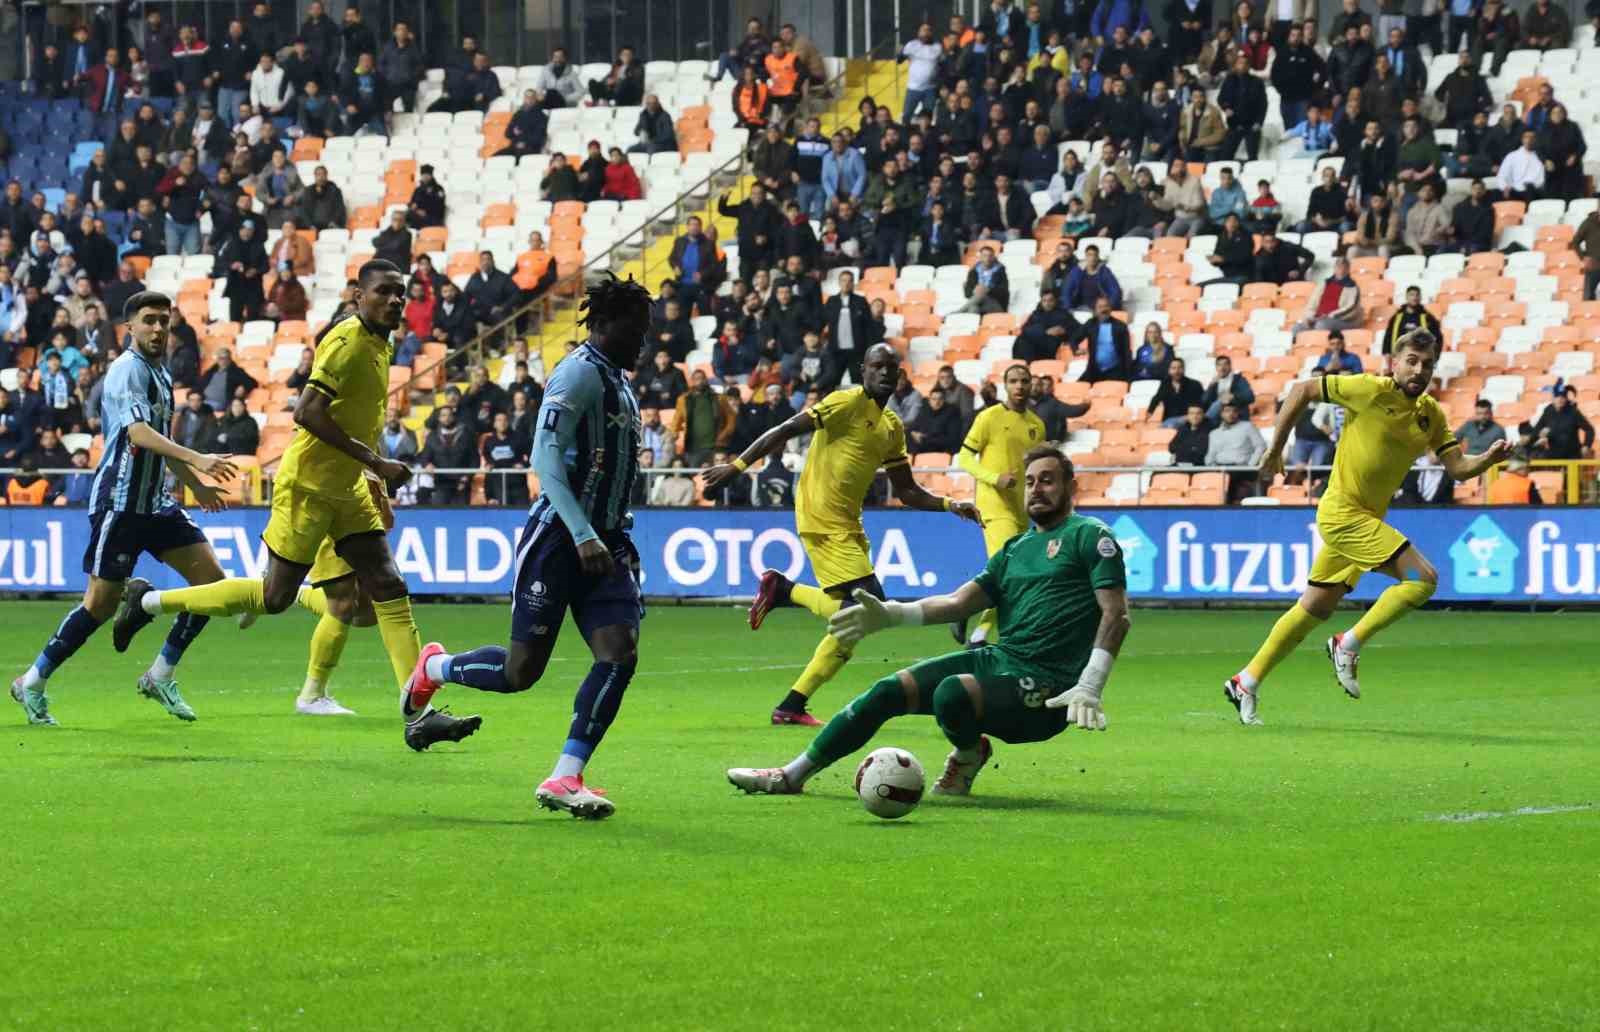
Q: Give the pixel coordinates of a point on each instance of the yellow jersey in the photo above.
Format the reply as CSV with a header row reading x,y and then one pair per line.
x,y
352,368
1384,434
854,438
998,440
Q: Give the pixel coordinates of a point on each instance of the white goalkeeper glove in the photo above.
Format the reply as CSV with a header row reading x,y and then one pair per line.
x,y
869,616
1082,700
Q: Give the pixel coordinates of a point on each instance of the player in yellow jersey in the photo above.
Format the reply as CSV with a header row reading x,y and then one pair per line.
x,y
853,436
321,492
992,453
1390,422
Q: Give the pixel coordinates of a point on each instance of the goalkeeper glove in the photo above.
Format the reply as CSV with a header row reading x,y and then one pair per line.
x,y
869,616
1082,701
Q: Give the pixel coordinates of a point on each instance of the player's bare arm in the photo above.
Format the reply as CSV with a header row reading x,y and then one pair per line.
x,y
914,496
314,414
1466,467
208,496
1301,396
219,467
1082,700
797,425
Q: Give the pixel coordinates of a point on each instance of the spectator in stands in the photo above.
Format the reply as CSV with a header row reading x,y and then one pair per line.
x,y
401,67
1464,93
294,249
621,182
662,385
194,425
1182,197
655,438
301,68
1562,431
654,129
1227,388
1049,328
623,85
528,129
1233,255
1298,72
116,294
694,263
559,84
747,54
1513,485
1264,212
77,305
938,426
106,84
302,371
1106,339
1410,316
790,321
1336,359
1154,355
1325,209
1052,411
735,353
418,318
426,207
395,440
1481,431
672,490
705,418
772,162
1281,261
752,101
1313,441
1428,226
787,84
796,239
672,333
322,204
1522,173
844,173
1377,230
1314,132
1176,393
355,39
766,409
1191,444
147,237
225,380
237,432
503,450
759,221
1236,442
75,488
591,175
1562,148
449,446
1585,243
270,92
561,181
1243,100
361,92
139,181
816,367
1546,26
988,290
28,487
924,54
232,62
491,292
287,301
242,261
50,74
1228,198
393,243
1373,165
278,189
906,402
1091,280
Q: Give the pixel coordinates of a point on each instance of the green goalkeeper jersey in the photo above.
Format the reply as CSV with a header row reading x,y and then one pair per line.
x,y
1043,583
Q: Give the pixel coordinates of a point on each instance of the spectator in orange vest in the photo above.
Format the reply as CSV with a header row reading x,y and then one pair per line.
x,y
751,99
786,86
1514,486
27,487
536,269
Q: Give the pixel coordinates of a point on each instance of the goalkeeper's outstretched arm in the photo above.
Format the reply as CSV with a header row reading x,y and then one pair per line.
x,y
851,624
1082,700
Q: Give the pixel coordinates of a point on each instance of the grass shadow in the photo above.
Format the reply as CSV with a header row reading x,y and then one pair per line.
x,y
1440,737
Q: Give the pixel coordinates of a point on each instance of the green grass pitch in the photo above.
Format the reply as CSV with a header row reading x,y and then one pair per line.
x,y
259,870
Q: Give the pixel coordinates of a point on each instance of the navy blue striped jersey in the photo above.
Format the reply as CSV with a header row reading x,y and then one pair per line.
x,y
586,447
131,479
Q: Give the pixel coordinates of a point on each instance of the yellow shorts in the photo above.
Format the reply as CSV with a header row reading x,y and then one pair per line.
x,y
998,528
1352,544
838,558
301,523
328,567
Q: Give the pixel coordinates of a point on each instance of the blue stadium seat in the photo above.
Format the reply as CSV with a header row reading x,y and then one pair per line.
x,y
53,196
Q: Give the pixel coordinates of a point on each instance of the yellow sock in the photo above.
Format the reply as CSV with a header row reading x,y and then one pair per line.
x,y
1287,634
327,645
313,599
821,604
1395,602
987,629
228,597
399,632
829,658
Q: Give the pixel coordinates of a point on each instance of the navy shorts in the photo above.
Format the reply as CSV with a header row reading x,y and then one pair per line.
x,y
550,580
116,539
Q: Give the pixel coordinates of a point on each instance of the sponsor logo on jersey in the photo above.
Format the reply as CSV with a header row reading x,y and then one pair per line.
x,y
1106,546
1053,548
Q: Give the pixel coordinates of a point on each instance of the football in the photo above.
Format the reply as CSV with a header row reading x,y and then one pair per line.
x,y
889,783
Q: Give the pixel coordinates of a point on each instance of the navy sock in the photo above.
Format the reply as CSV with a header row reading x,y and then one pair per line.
x,y
74,630
185,629
483,669
595,707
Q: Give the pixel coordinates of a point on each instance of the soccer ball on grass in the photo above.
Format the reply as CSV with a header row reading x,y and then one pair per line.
x,y
889,782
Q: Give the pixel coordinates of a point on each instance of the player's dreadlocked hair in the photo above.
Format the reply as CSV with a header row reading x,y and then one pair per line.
x,y
612,298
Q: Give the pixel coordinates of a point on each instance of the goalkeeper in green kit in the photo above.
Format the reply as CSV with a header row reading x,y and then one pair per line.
x,y
1060,592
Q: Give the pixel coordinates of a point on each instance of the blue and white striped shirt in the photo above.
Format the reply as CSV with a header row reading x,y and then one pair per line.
x,y
586,448
131,479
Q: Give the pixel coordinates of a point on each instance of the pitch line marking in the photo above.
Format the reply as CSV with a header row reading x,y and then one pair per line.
x,y
1495,815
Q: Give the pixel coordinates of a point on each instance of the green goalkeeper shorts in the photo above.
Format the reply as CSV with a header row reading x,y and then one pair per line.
x,y
1013,694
